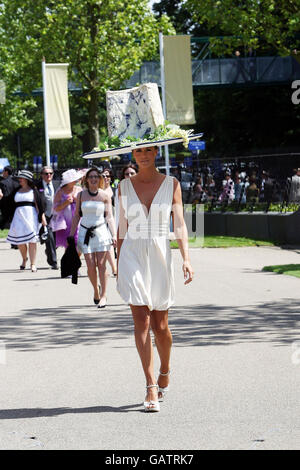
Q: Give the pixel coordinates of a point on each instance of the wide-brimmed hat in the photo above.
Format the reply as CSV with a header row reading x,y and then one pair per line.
x,y
135,120
127,148
27,175
69,176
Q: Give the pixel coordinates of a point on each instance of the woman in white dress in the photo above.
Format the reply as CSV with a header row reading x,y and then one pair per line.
x,y
145,270
29,213
94,237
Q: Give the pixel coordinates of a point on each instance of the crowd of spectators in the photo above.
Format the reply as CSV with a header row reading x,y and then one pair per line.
x,y
238,185
225,185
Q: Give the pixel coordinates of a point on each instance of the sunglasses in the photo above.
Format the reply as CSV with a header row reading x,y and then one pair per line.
x,y
106,176
47,174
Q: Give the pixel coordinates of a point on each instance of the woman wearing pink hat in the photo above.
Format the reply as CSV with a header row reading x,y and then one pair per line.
x,y
64,207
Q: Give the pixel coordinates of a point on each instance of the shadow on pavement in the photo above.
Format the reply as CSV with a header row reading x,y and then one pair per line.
x,y
24,413
193,325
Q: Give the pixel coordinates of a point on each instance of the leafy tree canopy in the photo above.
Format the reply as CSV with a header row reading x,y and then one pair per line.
x,y
104,41
253,23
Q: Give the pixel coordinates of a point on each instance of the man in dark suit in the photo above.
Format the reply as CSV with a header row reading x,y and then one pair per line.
x,y
47,187
8,187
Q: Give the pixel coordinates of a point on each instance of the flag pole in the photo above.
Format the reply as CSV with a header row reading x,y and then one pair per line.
x,y
163,94
45,112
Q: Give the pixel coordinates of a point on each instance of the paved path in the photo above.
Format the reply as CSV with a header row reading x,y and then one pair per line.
x,y
72,378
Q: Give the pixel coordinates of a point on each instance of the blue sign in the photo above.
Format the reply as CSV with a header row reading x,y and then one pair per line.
x,y
3,162
196,145
188,162
54,161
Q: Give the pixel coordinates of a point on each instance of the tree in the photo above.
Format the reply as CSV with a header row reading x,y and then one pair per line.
x,y
253,23
104,41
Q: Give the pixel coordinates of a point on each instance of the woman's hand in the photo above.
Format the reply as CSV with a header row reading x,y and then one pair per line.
x,y
114,242
187,272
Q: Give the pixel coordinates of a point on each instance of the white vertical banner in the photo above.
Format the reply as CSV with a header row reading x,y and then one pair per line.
x,y
178,79
58,114
2,92
163,95
56,103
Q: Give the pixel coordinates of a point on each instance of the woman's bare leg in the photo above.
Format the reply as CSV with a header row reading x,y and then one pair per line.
x,y
163,341
111,260
32,253
141,318
90,260
101,263
23,251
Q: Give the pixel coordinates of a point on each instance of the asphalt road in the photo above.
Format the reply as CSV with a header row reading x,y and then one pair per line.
x,y
71,378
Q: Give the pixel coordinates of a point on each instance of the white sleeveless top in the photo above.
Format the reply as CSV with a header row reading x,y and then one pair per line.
x,y
145,271
93,216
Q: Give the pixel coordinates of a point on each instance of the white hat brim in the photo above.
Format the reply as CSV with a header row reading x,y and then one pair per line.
x,y
129,148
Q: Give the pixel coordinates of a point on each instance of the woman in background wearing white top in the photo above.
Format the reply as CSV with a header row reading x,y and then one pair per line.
x,y
94,238
29,213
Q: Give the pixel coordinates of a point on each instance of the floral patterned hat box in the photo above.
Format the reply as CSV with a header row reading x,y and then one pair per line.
x,y
134,112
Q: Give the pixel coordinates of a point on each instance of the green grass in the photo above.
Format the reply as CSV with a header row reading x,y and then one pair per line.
x,y
223,242
3,233
208,242
289,269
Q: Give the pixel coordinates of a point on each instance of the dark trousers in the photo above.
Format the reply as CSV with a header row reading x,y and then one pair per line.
x,y
51,246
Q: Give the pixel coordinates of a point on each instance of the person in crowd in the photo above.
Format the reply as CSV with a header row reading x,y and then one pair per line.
x,y
145,269
129,170
198,193
266,187
64,205
8,187
227,194
28,214
47,188
294,195
252,191
210,187
107,175
239,190
95,238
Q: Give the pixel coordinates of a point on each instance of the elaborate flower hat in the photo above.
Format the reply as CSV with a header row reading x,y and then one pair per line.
x,y
135,120
70,176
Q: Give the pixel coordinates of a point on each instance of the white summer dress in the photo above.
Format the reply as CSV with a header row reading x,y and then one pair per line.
x,y
145,271
24,227
93,216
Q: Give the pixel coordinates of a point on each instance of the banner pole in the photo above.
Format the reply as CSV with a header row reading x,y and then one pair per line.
x,y
45,112
163,94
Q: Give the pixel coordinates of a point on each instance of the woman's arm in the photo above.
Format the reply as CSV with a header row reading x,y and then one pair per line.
x,y
122,225
60,206
110,220
40,208
76,217
181,233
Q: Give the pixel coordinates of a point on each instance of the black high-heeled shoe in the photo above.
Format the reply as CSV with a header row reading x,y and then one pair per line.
x,y
23,265
96,301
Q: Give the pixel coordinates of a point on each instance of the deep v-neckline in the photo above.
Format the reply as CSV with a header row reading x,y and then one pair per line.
x,y
143,205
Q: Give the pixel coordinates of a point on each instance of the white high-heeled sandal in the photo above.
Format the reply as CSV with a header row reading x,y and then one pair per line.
x,y
151,405
163,390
